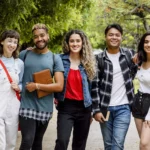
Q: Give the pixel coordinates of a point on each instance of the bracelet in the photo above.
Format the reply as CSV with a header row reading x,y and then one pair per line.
x,y
37,86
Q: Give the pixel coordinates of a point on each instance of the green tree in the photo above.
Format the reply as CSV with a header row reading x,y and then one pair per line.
x,y
133,15
59,16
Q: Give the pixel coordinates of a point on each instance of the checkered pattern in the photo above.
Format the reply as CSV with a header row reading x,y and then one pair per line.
x,y
102,84
36,115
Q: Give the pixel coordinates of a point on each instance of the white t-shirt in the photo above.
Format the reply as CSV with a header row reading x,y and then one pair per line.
x,y
118,93
143,75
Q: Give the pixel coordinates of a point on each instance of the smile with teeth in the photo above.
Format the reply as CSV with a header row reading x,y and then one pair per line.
x,y
75,48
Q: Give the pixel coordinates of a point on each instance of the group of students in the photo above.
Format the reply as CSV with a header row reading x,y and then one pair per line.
x,y
82,89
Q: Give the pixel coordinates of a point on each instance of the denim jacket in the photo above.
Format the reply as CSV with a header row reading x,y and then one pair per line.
x,y
85,82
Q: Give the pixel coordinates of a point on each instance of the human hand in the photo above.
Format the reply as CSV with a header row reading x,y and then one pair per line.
x,y
135,59
56,101
30,48
99,117
31,86
15,86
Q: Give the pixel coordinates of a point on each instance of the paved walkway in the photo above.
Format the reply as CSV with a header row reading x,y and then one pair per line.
x,y
94,142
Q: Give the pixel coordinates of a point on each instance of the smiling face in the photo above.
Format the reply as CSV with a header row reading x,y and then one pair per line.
x,y
75,43
147,44
40,37
9,46
113,39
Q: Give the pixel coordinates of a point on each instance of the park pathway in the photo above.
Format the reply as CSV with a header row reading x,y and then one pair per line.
x,y
94,139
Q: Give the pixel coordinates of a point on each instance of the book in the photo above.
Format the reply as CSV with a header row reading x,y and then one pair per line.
x,y
43,77
106,114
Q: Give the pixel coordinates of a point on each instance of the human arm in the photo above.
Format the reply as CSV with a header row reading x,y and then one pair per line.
x,y
95,93
18,86
134,64
57,86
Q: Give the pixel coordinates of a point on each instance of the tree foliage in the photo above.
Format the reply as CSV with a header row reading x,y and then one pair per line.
x,y
91,16
59,16
133,15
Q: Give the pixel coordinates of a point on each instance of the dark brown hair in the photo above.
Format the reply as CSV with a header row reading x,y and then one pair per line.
x,y
9,34
141,53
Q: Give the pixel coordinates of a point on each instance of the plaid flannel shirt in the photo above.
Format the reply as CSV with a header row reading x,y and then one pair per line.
x,y
102,84
36,115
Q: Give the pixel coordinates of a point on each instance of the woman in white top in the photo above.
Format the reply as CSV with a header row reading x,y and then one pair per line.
x,y
141,104
9,103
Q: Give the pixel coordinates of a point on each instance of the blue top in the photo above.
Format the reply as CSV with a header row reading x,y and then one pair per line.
x,y
85,82
34,63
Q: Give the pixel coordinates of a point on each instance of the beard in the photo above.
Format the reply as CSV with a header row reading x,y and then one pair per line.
x,y
41,47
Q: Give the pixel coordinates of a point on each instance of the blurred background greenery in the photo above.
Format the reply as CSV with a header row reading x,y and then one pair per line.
x,y
91,16
136,85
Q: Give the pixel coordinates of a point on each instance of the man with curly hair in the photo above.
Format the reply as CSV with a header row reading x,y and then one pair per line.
x,y
36,112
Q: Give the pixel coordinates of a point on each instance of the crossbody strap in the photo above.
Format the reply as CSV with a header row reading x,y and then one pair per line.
x,y
9,78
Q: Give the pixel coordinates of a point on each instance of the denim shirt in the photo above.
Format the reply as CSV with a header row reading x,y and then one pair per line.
x,y
85,82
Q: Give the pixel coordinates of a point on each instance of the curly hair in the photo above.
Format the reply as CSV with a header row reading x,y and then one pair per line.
x,y
87,56
10,34
141,53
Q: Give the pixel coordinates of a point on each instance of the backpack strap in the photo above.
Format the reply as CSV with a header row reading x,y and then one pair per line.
x,y
53,62
25,55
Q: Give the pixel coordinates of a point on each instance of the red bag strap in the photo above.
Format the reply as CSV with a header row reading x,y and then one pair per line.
x,y
9,78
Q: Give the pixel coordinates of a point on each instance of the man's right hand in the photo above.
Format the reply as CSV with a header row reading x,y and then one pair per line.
x,y
99,117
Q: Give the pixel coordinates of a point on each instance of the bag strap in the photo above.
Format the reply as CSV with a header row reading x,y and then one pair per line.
x,y
9,78
53,62
25,55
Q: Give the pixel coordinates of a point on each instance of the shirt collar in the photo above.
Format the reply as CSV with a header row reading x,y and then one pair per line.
x,y
121,52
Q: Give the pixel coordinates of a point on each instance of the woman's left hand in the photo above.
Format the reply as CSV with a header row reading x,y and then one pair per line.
x,y
15,86
135,59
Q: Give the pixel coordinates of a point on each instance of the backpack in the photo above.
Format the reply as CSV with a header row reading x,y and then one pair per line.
x,y
100,60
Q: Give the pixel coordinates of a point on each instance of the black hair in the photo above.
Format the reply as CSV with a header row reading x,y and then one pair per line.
x,y
9,34
141,53
116,26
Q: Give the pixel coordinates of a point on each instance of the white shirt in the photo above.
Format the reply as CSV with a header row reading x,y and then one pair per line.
x,y
143,75
9,104
118,93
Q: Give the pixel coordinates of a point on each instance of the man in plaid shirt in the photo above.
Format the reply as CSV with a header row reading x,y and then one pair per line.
x,y
112,89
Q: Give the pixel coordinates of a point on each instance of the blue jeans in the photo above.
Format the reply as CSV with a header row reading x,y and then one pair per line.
x,y
115,129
